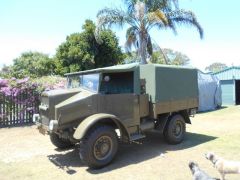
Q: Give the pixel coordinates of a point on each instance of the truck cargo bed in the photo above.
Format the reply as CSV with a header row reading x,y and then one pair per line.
x,y
170,88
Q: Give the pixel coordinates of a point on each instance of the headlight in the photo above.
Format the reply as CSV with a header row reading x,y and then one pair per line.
x,y
36,118
53,124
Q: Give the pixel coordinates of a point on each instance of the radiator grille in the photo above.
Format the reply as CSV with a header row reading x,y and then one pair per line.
x,y
44,114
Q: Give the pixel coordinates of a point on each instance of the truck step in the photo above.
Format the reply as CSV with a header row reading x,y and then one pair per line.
x,y
135,137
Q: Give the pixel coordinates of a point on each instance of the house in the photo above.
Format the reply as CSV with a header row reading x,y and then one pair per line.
x,y
230,85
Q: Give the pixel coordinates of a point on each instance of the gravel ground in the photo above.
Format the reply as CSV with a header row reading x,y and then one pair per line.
x,y
26,154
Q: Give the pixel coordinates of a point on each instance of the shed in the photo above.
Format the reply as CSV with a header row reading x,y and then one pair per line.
x,y
209,92
230,85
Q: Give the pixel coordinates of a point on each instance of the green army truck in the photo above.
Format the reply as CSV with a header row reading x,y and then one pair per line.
x,y
103,106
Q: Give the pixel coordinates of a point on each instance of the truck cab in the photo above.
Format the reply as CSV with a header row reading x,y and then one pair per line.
x,y
120,103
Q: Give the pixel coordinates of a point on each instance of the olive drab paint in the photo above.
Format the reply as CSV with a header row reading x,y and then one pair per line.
x,y
132,98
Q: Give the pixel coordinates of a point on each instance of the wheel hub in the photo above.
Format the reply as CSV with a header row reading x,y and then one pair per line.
x,y
177,130
103,147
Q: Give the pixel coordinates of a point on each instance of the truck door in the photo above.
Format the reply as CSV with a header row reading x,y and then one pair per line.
x,y
117,98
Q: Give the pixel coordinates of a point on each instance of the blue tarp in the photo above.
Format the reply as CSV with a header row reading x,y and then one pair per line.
x,y
209,92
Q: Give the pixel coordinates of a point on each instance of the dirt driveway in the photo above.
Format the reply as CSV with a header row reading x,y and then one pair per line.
x,y
26,154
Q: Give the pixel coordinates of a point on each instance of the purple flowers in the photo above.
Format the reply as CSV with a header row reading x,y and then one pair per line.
x,y
25,93
13,86
6,91
3,82
22,81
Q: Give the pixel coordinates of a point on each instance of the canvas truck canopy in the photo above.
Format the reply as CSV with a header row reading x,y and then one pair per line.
x,y
117,68
169,83
121,69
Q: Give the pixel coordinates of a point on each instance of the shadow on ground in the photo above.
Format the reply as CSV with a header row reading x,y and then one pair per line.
x,y
66,161
128,154
23,124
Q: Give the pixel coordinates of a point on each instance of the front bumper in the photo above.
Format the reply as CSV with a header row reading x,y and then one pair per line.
x,y
36,118
45,129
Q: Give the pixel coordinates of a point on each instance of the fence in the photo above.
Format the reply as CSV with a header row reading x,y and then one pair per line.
x,y
18,110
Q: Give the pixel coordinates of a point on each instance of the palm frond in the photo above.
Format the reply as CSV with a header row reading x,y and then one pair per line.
x,y
156,18
171,25
132,40
142,15
164,5
140,10
130,5
183,17
108,17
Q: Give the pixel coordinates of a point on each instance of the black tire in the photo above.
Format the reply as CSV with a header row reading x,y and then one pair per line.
x,y
175,130
99,146
60,143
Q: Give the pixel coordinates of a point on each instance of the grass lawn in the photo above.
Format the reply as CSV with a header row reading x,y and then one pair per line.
x,y
26,154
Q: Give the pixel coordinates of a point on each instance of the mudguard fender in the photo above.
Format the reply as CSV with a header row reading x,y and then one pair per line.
x,y
90,121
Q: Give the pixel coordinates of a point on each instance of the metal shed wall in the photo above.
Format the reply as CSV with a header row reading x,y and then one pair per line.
x,y
228,79
228,92
229,73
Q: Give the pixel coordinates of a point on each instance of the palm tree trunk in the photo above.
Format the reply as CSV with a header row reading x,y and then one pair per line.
x,y
143,49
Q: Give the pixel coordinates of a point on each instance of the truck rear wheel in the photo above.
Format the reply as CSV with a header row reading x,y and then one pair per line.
x,y
175,130
59,142
99,146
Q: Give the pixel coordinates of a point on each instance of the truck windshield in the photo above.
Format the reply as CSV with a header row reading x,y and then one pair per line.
x,y
86,81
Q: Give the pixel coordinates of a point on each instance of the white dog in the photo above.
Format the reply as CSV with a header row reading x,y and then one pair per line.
x,y
197,173
223,166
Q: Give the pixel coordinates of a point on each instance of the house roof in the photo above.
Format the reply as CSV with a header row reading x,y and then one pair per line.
x,y
229,73
227,69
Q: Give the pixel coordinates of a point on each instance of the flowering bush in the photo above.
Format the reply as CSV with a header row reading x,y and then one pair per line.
x,y
25,94
47,83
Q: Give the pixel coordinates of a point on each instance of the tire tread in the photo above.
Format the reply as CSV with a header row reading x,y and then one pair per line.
x,y
88,140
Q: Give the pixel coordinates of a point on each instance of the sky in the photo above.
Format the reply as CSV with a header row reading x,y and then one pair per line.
x,y
29,25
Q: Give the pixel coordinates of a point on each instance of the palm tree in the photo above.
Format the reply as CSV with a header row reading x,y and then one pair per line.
x,y
142,16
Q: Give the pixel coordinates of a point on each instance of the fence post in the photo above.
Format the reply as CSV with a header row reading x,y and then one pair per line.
x,y
15,110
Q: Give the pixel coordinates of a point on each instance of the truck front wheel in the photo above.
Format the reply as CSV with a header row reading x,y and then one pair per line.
x,y
59,142
99,146
175,130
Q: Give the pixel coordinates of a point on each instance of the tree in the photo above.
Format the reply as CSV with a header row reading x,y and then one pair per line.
x,y
215,67
172,57
5,71
142,16
32,64
81,51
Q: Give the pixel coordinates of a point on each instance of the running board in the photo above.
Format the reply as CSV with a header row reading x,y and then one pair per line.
x,y
135,137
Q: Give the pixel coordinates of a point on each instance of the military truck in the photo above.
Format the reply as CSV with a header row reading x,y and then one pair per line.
x,y
104,106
